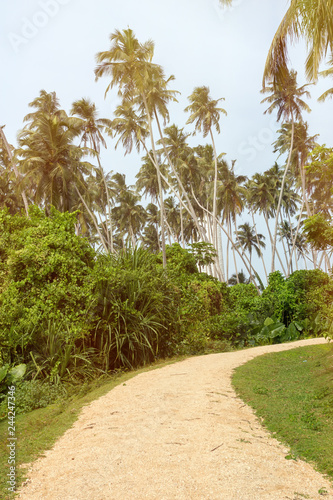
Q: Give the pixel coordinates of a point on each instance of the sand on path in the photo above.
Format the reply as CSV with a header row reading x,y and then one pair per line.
x,y
176,433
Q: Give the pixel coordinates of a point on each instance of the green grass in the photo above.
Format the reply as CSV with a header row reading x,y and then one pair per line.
x,y
292,392
38,430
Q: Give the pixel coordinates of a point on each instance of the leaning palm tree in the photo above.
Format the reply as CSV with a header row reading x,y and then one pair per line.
x,y
206,114
327,73
311,20
286,98
248,240
5,148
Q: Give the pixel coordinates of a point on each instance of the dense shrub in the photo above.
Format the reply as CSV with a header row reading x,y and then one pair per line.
x,y
134,309
44,275
33,394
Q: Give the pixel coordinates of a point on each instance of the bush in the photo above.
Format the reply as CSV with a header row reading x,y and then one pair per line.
x,y
135,310
33,394
44,275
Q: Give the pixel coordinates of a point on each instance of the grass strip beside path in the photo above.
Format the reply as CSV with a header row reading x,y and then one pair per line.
x,y
292,393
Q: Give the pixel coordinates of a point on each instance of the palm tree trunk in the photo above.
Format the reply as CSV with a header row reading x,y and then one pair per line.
x,y
261,255
271,238
192,211
10,156
93,218
110,231
220,254
242,256
215,192
281,194
132,236
181,223
234,256
227,254
158,178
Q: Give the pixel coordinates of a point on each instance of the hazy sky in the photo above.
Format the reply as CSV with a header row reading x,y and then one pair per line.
x,y
51,45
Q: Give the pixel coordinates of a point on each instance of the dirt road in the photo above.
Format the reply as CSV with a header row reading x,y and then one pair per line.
x,y
176,433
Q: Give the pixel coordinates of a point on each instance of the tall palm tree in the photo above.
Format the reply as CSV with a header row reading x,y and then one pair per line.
x,y
286,99
249,240
308,19
206,114
130,126
5,148
129,64
178,154
92,129
327,73
54,167
231,198
129,215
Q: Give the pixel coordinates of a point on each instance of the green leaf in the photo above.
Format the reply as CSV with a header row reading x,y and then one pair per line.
x,y
298,325
17,372
3,371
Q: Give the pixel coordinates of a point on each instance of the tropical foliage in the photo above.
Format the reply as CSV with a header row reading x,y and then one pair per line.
x,y
97,275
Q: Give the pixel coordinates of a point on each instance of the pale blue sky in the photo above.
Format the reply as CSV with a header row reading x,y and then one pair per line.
x,y
51,45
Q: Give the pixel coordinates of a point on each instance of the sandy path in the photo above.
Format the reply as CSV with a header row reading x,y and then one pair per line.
x,y
178,433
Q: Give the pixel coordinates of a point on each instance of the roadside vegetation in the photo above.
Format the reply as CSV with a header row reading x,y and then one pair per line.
x,y
98,277
292,395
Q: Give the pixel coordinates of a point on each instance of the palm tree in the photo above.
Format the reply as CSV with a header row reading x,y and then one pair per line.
x,y
206,115
177,152
53,166
130,66
129,215
308,19
92,129
248,240
5,148
261,193
130,126
238,278
231,197
286,98
327,73
172,218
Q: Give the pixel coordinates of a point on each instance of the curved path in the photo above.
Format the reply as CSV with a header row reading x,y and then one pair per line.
x,y
176,433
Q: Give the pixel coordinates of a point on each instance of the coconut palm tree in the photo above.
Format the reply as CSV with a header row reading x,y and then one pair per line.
x,y
286,99
53,166
129,64
311,20
238,278
248,240
129,215
7,154
92,129
231,198
130,126
206,114
327,73
179,155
